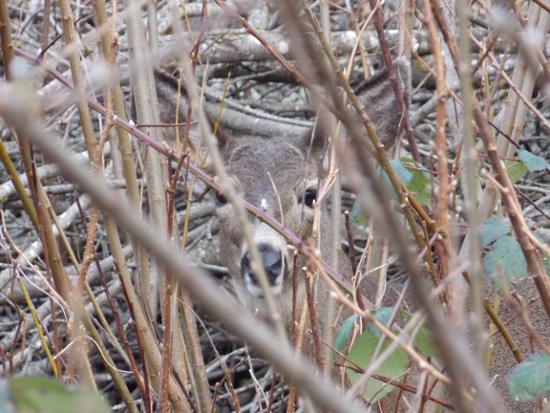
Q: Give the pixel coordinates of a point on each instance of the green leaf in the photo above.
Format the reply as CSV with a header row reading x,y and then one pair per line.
x,y
532,162
531,378
357,216
384,179
382,315
361,219
492,229
516,170
417,182
406,159
361,354
403,173
420,187
508,254
42,395
344,332
424,342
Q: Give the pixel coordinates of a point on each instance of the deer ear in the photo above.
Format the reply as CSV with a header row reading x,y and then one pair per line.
x,y
172,107
384,111
314,141
172,100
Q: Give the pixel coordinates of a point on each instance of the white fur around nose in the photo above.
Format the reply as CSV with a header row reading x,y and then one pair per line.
x,y
264,234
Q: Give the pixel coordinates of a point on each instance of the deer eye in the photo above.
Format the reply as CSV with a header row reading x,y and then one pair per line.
x,y
220,199
308,197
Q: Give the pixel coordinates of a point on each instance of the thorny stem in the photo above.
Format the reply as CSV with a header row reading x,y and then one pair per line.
x,y
308,280
69,36
440,138
123,138
378,24
19,187
353,262
441,151
5,36
470,197
499,325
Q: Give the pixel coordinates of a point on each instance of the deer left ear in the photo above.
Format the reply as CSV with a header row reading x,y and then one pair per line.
x,y
377,96
314,141
173,100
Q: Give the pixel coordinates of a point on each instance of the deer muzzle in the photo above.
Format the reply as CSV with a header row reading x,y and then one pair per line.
x,y
275,266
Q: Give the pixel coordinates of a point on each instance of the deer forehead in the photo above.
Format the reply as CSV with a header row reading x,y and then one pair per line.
x,y
259,164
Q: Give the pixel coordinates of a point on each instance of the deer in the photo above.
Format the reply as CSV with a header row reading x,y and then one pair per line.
x,y
280,174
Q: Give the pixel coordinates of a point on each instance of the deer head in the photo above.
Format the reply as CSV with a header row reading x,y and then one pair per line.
x,y
280,174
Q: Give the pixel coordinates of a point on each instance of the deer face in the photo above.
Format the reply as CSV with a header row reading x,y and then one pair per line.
x,y
278,176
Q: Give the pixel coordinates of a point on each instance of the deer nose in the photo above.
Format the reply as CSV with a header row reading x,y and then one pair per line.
x,y
272,261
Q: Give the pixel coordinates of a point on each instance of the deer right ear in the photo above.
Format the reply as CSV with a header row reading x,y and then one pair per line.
x,y
173,106
314,141
377,96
